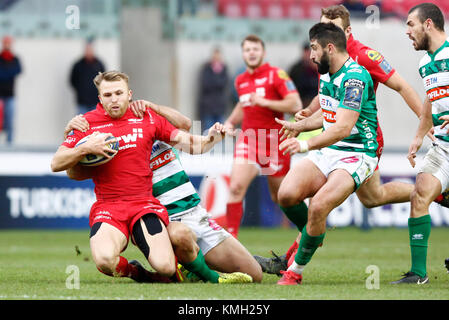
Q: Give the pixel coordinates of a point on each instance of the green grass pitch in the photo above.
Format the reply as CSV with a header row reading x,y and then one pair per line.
x,y
33,265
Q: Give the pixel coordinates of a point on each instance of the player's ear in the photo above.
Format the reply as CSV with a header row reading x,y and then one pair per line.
x,y
130,93
348,31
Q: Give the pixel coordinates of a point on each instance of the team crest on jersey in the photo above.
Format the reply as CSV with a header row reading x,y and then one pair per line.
x,y
283,75
374,55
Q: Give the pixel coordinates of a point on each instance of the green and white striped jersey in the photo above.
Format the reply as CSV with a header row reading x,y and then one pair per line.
x,y
434,70
351,88
171,185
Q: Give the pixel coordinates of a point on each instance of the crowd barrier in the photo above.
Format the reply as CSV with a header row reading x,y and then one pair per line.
x,y
33,197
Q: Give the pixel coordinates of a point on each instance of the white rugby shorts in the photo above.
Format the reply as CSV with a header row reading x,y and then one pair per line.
x,y
209,233
436,162
359,165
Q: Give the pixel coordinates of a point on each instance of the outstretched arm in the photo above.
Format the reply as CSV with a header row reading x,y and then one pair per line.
x,y
196,144
410,96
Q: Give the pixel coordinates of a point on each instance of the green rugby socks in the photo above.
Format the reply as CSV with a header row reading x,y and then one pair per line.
x,y
297,214
419,232
307,247
201,269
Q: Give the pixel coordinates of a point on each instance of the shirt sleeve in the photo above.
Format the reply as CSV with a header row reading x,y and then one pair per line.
x,y
73,138
164,129
283,83
376,64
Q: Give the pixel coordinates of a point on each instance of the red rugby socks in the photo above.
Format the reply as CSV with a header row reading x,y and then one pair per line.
x,y
234,213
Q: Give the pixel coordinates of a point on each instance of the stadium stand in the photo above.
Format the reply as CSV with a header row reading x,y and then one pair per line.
x,y
309,9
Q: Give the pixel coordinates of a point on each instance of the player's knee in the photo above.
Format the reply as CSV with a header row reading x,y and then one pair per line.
x,y
165,268
318,211
257,274
180,234
368,202
237,190
419,199
105,262
286,198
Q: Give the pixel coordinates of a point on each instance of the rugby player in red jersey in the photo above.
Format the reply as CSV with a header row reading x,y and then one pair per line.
x,y
265,92
372,193
125,205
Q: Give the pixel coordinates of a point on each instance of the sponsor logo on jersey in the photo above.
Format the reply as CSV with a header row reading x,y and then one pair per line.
x,y
137,133
260,81
374,55
290,85
135,121
430,81
162,159
244,85
438,93
69,140
325,102
353,93
385,66
352,159
260,91
283,75
244,99
103,126
329,116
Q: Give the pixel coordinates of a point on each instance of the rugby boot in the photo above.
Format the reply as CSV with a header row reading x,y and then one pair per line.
x,y
289,278
189,276
272,265
235,277
443,199
411,277
446,263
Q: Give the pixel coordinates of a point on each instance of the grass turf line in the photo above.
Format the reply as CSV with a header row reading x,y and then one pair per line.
x,y
33,266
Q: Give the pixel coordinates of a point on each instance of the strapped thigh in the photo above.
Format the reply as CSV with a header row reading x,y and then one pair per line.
x,y
153,226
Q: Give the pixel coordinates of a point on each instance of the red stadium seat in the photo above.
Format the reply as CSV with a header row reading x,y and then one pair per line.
x,y
273,9
295,10
230,8
252,9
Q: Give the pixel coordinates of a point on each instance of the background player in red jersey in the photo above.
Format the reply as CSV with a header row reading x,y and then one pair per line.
x,y
125,205
372,193
265,92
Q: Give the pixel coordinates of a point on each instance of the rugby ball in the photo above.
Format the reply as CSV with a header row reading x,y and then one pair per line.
x,y
96,159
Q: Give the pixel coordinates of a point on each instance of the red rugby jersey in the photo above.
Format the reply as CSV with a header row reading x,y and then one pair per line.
x,y
373,61
378,67
269,82
128,174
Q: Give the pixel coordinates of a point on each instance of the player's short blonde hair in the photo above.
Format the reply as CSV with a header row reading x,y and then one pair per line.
x,y
110,76
253,38
335,12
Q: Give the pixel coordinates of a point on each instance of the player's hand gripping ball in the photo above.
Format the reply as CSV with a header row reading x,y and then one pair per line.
x,y
97,159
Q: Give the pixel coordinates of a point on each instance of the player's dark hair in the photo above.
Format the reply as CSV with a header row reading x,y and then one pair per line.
x,y
253,38
325,33
429,11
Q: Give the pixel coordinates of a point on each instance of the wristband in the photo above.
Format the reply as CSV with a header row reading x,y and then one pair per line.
x,y
303,146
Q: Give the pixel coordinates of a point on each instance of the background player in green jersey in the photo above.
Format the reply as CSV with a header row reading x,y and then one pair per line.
x,y
425,27
343,156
